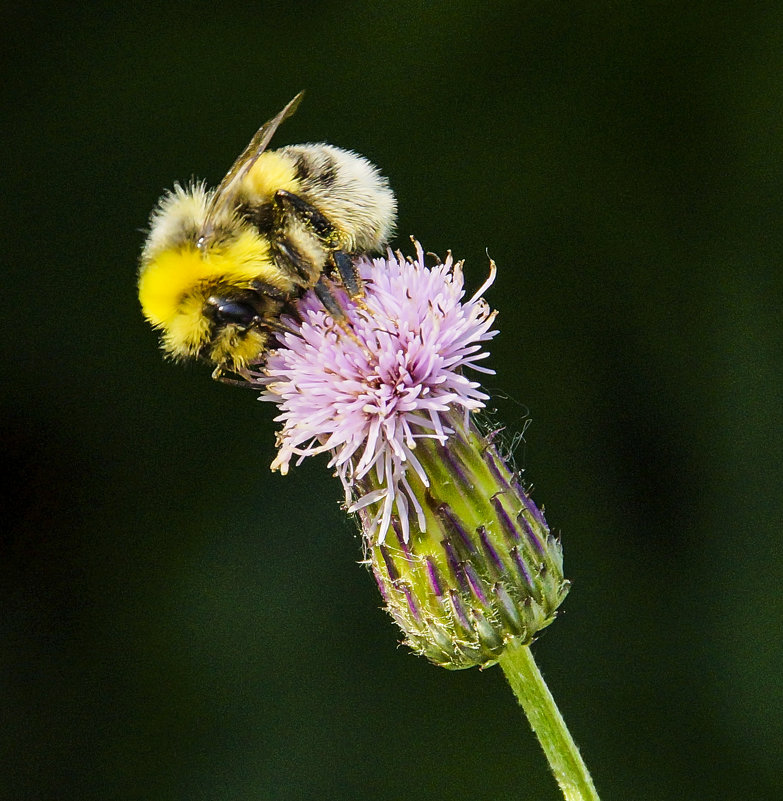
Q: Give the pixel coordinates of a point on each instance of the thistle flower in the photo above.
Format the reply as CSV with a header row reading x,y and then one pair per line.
x,y
464,559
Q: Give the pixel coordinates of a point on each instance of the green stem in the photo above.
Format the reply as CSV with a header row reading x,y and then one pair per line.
x,y
546,721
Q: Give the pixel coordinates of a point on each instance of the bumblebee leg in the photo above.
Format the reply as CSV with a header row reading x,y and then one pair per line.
x,y
325,231
348,273
286,203
292,261
318,223
279,326
330,302
221,373
234,382
269,290
332,305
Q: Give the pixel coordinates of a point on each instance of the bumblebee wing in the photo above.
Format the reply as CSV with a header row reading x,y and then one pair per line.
x,y
226,192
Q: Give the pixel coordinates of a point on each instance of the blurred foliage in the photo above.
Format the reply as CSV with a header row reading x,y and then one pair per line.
x,y
181,624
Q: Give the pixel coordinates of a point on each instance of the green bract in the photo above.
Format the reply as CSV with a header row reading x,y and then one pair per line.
x,y
485,571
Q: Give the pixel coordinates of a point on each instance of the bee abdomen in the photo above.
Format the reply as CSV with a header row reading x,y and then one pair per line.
x,y
348,190
322,170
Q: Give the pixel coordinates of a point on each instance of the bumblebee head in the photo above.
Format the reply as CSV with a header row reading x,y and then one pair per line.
x,y
209,300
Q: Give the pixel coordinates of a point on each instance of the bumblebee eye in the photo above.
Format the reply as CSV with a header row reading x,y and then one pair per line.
x,y
233,311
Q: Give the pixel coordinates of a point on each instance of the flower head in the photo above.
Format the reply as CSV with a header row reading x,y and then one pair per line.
x,y
464,559
388,384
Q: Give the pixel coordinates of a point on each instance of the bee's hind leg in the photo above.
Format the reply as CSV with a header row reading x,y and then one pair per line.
x,y
289,203
324,290
349,275
325,294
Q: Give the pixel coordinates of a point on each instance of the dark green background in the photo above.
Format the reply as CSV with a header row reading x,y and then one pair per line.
x,y
178,622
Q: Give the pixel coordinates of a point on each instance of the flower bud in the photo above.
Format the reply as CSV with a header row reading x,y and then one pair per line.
x,y
483,571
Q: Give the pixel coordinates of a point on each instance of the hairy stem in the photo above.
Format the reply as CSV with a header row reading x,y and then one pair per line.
x,y
546,721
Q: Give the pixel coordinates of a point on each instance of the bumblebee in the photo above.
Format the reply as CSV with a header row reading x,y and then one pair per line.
x,y
220,266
